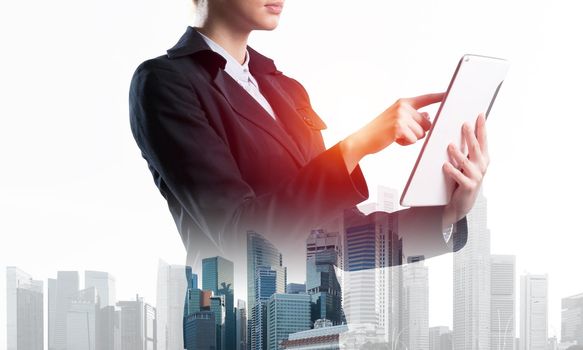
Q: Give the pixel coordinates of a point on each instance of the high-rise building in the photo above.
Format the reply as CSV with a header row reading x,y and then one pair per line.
x,y
217,274
82,320
415,305
150,327
440,338
193,294
219,310
502,302
104,283
52,311
361,259
67,287
572,319
241,326
295,288
191,279
218,277
323,240
138,325
170,305
261,254
471,284
24,311
109,328
286,314
268,281
193,301
372,282
324,256
533,312
200,331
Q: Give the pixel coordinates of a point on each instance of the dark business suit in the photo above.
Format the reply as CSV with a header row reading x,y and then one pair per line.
x,y
225,166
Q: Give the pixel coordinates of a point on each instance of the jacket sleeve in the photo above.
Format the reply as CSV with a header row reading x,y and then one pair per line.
x,y
414,233
195,166
422,235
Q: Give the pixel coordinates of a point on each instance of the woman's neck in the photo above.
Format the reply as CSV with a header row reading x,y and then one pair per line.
x,y
233,41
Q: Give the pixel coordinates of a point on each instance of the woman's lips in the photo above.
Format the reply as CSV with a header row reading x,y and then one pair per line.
x,y
275,8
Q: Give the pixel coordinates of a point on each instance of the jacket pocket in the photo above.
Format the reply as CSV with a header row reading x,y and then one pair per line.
x,y
311,118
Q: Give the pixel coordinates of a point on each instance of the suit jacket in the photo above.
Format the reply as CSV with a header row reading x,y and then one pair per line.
x,y
226,167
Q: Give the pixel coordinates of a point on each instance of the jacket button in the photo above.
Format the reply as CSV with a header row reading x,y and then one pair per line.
x,y
308,120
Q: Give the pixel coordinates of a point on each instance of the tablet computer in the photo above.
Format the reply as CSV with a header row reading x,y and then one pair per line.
x,y
472,90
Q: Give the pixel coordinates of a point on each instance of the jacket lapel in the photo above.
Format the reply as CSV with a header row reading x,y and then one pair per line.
x,y
285,110
264,71
248,108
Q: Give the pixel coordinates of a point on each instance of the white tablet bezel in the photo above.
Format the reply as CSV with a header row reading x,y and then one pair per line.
x,y
472,90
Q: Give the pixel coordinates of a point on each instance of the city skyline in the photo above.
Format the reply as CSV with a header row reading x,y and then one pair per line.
x,y
103,283
90,293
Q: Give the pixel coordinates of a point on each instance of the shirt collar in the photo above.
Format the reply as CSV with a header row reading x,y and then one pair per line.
x,y
192,43
232,66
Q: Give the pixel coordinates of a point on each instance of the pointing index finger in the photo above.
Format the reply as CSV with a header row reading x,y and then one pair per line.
x,y
425,100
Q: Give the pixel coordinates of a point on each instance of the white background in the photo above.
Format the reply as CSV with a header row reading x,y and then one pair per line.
x,y
75,193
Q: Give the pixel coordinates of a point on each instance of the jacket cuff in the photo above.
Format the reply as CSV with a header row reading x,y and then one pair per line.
x,y
354,184
459,235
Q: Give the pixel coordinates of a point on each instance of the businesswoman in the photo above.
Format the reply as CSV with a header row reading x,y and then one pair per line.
x,y
234,145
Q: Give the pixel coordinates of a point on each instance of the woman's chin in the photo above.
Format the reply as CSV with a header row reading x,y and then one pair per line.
x,y
267,24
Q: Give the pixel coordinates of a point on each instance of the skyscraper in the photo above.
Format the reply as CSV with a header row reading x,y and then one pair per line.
x,y
361,259
218,277
24,318
372,283
533,312
260,253
109,329
295,288
268,281
82,320
471,284
200,331
193,301
67,287
138,325
193,294
440,338
219,310
52,311
286,314
415,305
151,339
241,326
217,274
502,302
321,240
324,256
104,283
572,319
170,305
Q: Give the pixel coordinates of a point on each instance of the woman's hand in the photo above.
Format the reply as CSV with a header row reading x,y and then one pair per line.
x,y
401,123
468,172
